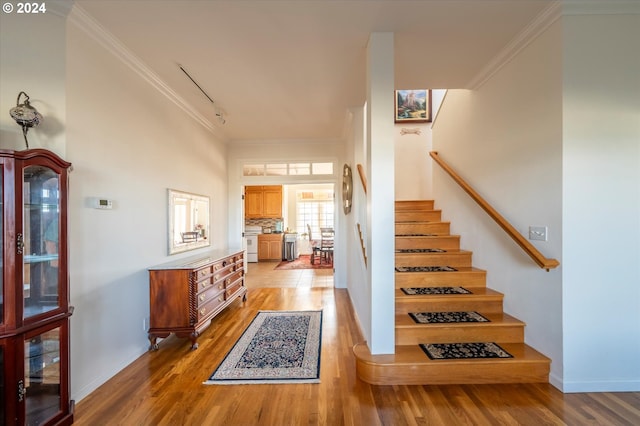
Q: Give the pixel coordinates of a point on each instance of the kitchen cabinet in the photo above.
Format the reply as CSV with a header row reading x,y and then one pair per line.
x,y
185,295
269,247
34,303
263,201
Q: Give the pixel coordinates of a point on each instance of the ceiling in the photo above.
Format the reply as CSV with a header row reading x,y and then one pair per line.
x,y
288,70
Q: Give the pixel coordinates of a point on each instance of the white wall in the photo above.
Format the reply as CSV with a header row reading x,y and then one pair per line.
x,y
129,143
32,59
601,203
357,279
413,165
505,139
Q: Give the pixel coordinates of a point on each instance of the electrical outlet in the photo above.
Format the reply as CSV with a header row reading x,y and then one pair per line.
x,y
145,324
538,233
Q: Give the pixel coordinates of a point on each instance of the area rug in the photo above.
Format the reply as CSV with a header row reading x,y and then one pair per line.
x,y
464,350
303,262
425,269
277,347
421,291
446,317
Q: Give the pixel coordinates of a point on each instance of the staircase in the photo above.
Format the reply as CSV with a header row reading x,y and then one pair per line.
x,y
419,226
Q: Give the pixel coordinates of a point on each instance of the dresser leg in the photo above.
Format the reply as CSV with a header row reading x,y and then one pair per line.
x,y
153,342
194,337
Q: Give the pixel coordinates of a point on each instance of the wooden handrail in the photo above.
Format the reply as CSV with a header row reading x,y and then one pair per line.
x,y
363,178
537,257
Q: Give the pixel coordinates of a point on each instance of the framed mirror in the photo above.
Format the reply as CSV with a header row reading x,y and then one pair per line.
x,y
188,221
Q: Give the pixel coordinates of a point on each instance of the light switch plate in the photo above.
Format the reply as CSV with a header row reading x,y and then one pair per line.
x,y
538,233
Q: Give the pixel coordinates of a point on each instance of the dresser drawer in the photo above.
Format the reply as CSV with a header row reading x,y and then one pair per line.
x,y
223,263
203,273
233,289
209,307
211,293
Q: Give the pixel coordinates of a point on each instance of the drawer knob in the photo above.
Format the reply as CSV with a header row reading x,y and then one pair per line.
x,y
220,299
220,287
202,311
227,281
204,284
202,297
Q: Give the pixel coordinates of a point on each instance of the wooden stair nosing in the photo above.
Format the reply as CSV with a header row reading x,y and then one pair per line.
x,y
501,328
409,365
406,216
444,242
464,277
414,204
483,299
453,258
437,228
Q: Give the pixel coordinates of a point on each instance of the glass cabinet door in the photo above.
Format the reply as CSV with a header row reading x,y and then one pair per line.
x,y
1,244
41,228
41,390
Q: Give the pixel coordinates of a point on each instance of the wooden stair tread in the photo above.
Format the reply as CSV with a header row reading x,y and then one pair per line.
x,y
403,205
409,365
414,355
495,320
476,293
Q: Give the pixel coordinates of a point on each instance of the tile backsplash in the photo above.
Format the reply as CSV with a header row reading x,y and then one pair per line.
x,y
266,222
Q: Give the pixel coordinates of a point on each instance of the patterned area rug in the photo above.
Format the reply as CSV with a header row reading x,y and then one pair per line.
x,y
446,317
464,350
415,291
425,269
277,347
303,262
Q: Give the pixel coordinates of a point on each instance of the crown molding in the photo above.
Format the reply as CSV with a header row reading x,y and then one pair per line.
x,y
60,8
543,21
536,27
102,36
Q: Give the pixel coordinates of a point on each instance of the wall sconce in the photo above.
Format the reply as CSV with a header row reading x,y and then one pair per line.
x,y
25,115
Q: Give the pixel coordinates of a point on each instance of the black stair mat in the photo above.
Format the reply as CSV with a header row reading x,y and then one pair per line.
x,y
416,235
421,250
447,317
437,351
425,269
419,291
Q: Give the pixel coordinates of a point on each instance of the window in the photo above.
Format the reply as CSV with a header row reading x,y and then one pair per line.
x,y
287,169
316,209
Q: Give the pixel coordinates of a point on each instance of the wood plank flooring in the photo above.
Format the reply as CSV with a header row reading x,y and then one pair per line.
x,y
165,387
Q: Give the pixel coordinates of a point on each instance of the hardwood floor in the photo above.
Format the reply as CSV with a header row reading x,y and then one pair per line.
x,y
165,387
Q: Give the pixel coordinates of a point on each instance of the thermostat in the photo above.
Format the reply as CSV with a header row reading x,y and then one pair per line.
x,y
102,203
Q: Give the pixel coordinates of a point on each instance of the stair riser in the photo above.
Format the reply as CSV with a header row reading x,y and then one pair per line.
x,y
414,205
443,242
441,279
419,216
461,260
437,228
511,333
454,372
489,305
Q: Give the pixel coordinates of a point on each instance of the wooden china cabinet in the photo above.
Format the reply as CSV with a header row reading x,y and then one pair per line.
x,y
34,280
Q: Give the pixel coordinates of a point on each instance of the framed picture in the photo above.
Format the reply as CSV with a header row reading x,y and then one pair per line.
x,y
413,106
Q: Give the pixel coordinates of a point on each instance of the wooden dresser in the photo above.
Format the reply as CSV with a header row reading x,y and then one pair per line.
x,y
186,294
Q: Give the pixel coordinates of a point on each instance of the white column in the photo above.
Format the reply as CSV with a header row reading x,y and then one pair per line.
x,y
380,195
